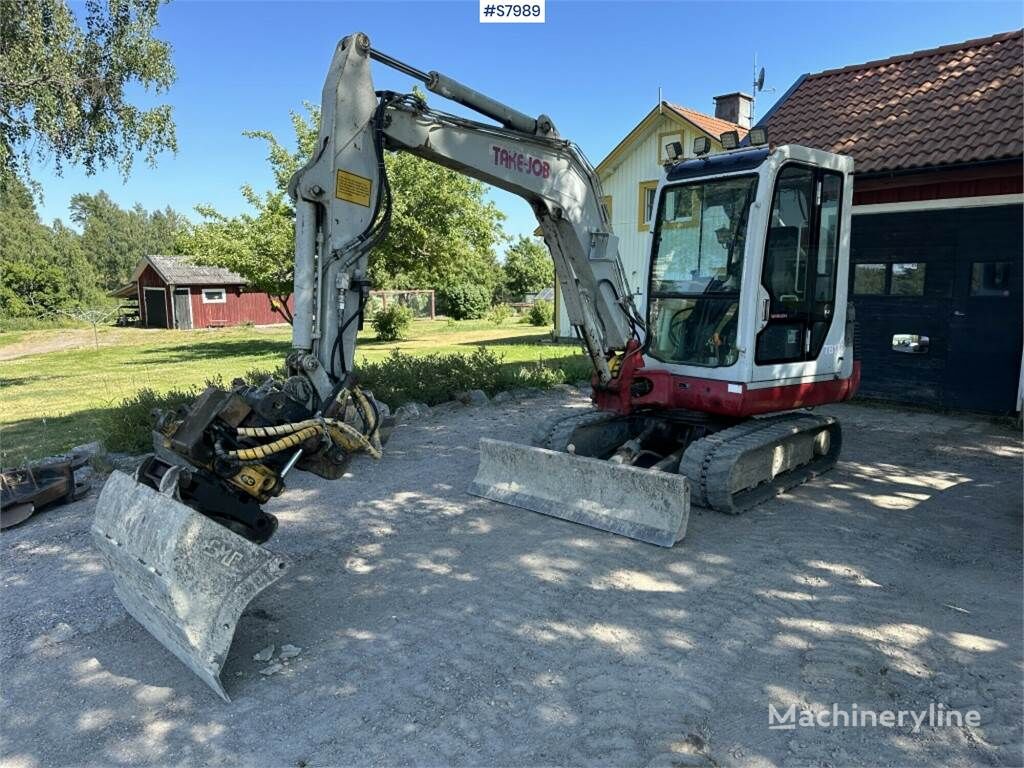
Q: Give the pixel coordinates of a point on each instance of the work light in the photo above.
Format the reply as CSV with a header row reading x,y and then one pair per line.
x,y
730,139
758,137
701,145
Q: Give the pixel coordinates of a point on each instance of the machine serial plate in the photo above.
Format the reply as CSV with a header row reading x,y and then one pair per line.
x,y
353,188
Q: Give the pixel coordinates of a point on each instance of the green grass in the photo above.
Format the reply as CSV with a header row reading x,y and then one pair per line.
x,y
53,401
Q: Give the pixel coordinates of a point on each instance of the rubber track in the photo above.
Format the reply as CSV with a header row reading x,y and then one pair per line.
x,y
556,434
708,463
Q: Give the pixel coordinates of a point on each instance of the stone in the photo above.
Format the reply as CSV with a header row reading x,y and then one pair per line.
x,y
265,655
289,651
446,408
502,397
272,669
412,411
472,397
87,449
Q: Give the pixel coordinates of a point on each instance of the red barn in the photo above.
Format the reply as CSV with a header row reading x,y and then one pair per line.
x,y
174,293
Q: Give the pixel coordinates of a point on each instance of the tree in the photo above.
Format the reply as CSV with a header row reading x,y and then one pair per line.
x,y
115,239
64,89
528,267
44,269
258,247
443,233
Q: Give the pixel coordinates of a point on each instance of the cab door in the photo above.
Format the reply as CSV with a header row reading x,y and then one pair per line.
x,y
798,275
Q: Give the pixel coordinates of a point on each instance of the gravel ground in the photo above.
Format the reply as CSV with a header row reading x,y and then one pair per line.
x,y
437,628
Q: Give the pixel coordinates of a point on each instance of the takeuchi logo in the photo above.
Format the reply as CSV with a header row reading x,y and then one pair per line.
x,y
935,716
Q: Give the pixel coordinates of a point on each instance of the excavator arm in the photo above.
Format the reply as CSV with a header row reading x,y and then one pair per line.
x,y
343,206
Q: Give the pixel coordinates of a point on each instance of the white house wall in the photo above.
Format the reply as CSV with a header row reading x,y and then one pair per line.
x,y
622,183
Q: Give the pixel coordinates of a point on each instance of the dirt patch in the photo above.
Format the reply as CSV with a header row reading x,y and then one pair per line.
x,y
441,629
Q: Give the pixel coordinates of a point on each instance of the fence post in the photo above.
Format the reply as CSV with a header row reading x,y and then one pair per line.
x,y
432,305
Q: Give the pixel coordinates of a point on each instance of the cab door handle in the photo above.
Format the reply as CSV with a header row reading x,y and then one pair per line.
x,y
764,309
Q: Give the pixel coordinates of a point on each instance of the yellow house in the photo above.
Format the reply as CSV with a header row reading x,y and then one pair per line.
x,y
630,173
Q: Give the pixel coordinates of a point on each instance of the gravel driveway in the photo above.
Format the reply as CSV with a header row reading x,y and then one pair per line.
x,y
438,628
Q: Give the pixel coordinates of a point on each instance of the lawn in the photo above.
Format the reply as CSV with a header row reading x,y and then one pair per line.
x,y
53,400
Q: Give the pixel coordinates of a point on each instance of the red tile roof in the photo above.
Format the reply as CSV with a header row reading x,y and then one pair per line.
x,y
960,103
713,125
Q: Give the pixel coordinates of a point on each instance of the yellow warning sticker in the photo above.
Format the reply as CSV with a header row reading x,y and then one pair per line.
x,y
353,188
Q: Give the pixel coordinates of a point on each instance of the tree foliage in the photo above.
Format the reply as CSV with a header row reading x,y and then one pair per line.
x,y
528,267
51,270
443,233
114,239
44,269
64,87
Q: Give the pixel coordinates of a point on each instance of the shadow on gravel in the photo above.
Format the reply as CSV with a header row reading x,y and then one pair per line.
x,y
438,628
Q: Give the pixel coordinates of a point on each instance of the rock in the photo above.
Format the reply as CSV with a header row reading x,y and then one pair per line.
x,y
446,408
289,651
124,461
526,393
87,449
502,397
265,655
384,409
272,669
472,397
60,633
412,411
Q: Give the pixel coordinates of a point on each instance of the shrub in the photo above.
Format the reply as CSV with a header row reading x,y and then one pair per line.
x,y
128,426
401,378
465,301
541,313
500,313
392,323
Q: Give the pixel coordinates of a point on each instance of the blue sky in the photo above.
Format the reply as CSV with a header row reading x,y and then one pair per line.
x,y
595,67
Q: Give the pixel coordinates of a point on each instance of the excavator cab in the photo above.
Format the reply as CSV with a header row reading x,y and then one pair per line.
x,y
747,276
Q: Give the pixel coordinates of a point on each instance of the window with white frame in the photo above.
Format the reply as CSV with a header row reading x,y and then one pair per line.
x,y
214,296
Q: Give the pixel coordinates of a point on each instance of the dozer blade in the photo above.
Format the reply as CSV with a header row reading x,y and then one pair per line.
x,y
643,504
185,578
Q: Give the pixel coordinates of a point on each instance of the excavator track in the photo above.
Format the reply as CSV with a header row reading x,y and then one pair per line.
x,y
557,434
737,468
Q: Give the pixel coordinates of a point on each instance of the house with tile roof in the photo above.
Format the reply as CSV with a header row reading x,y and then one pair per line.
x,y
173,292
937,138
630,173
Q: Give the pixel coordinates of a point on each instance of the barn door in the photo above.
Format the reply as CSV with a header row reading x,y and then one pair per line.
x,y
156,308
182,309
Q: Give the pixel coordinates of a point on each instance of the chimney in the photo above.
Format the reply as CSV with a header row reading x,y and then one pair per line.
x,y
734,107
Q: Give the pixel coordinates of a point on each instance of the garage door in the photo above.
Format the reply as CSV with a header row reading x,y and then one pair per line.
x,y
938,298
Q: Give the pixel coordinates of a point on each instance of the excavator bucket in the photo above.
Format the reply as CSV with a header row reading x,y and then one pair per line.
x,y
182,576
644,504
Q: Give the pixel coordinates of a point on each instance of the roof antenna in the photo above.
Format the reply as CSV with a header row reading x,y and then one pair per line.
x,y
659,100
758,86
